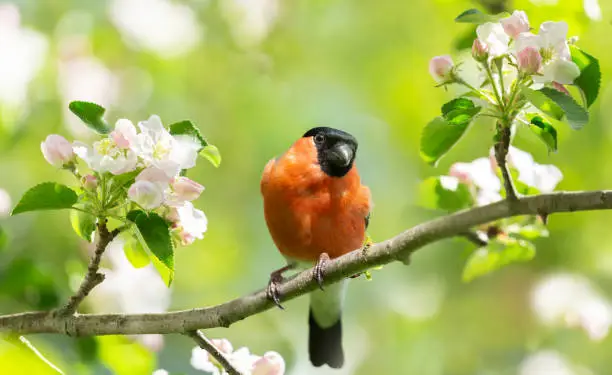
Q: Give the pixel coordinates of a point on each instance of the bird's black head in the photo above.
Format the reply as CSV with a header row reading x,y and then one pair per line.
x,y
336,150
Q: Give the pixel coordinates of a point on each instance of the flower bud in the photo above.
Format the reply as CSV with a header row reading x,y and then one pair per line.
x,y
146,193
89,182
480,51
529,60
186,189
515,24
57,150
270,364
223,345
441,68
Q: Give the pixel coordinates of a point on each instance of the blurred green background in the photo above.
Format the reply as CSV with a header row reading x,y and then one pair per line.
x,y
255,75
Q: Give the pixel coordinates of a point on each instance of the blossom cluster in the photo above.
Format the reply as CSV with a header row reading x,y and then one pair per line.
x,y
545,56
271,363
151,159
485,185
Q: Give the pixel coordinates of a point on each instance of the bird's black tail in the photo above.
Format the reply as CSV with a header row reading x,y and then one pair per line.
x,y
325,344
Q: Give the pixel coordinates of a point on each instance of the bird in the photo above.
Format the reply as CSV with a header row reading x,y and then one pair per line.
x,y
316,209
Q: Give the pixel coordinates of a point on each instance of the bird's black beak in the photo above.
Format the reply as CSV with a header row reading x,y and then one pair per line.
x,y
341,155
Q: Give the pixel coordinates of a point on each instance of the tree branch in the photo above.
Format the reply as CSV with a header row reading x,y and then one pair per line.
x,y
207,345
92,277
501,153
399,248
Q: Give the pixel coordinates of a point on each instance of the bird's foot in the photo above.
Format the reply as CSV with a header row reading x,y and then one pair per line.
x,y
276,278
319,269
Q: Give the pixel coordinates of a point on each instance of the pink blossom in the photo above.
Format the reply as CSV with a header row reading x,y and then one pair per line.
x,y
529,60
89,182
480,51
515,24
57,150
270,364
186,189
441,67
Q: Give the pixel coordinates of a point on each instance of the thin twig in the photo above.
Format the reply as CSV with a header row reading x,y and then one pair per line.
x,y
23,342
400,247
207,345
92,277
501,152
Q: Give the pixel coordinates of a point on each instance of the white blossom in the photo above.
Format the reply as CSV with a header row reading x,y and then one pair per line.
x,y
546,362
22,53
167,28
551,41
571,300
158,148
492,35
192,223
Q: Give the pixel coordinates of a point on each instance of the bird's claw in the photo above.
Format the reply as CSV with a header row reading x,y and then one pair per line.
x,y
272,291
276,278
319,269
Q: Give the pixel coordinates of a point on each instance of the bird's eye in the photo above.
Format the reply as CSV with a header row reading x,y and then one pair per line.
x,y
319,138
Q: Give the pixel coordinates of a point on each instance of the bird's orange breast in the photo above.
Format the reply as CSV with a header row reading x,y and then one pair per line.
x,y
309,212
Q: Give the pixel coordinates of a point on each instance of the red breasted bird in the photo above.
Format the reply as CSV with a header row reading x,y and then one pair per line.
x,y
316,209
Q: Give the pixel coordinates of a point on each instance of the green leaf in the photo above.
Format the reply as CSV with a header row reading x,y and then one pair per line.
x,y
91,114
558,105
434,195
457,104
575,114
187,127
83,223
154,235
497,254
441,134
125,179
134,251
478,17
544,130
589,80
46,196
212,154
543,103
465,40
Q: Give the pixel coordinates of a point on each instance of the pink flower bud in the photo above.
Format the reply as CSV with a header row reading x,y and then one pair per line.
x,y
223,345
89,182
515,24
529,60
560,87
57,150
186,189
480,51
270,364
441,68
147,194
